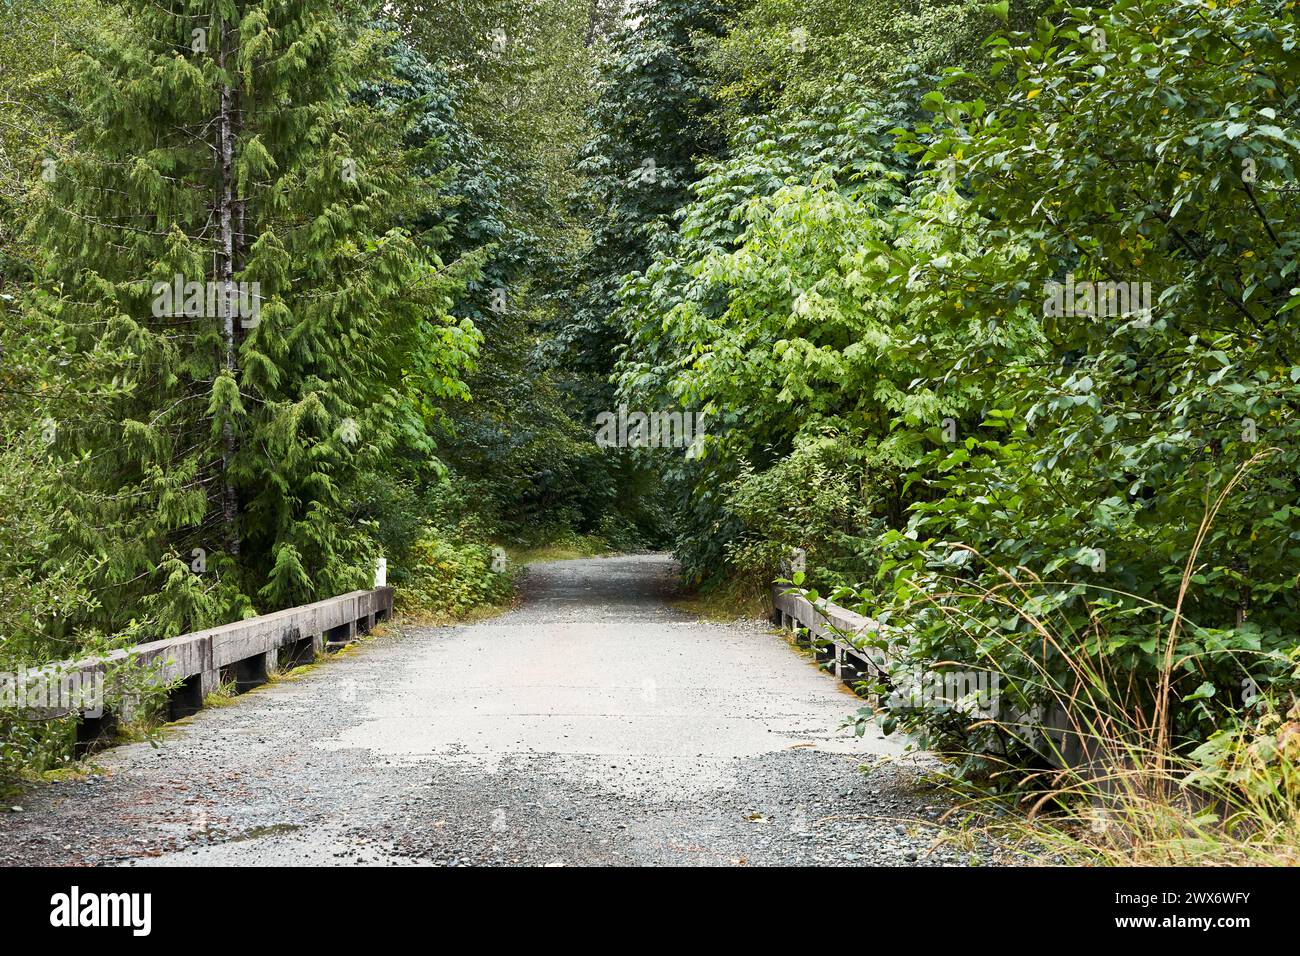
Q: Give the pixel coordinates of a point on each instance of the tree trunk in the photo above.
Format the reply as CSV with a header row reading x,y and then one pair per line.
x,y
226,271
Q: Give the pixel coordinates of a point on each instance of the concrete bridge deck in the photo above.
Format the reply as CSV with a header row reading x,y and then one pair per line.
x,y
593,724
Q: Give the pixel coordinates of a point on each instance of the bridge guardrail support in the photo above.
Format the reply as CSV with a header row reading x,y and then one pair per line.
x,y
824,624
246,651
1071,746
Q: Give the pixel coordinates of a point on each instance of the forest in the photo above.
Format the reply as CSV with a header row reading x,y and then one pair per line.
x,y
983,309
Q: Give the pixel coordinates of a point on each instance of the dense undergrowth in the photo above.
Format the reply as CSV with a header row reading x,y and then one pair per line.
x,y
1007,352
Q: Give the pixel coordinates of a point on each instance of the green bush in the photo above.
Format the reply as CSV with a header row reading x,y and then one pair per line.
x,y
821,498
880,276
449,580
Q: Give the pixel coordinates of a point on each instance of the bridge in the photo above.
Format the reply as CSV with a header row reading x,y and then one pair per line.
x,y
597,722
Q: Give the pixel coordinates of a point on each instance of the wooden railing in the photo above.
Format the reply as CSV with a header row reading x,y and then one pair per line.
x,y
836,635
847,644
192,666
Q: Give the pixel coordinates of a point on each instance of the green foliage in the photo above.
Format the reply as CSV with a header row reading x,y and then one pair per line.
x,y
1131,165
818,498
1259,758
770,312
450,579
43,582
33,745
521,68
650,129
788,53
821,294
178,436
38,39
509,123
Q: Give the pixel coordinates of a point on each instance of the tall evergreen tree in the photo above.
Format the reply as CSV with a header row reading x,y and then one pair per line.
x,y
248,329
506,103
651,126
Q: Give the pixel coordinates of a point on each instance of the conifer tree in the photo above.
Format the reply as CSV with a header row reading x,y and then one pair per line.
x,y
248,330
651,128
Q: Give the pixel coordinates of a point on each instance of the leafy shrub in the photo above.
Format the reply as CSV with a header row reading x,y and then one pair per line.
x,y
450,580
1017,463
30,745
1106,467
820,498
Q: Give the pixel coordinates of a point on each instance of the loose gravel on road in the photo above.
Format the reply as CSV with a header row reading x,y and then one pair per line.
x,y
594,724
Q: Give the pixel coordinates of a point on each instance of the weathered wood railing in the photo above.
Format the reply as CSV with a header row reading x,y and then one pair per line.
x,y
847,644
242,653
836,635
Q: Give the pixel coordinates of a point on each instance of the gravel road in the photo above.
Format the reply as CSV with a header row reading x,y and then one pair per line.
x,y
592,724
